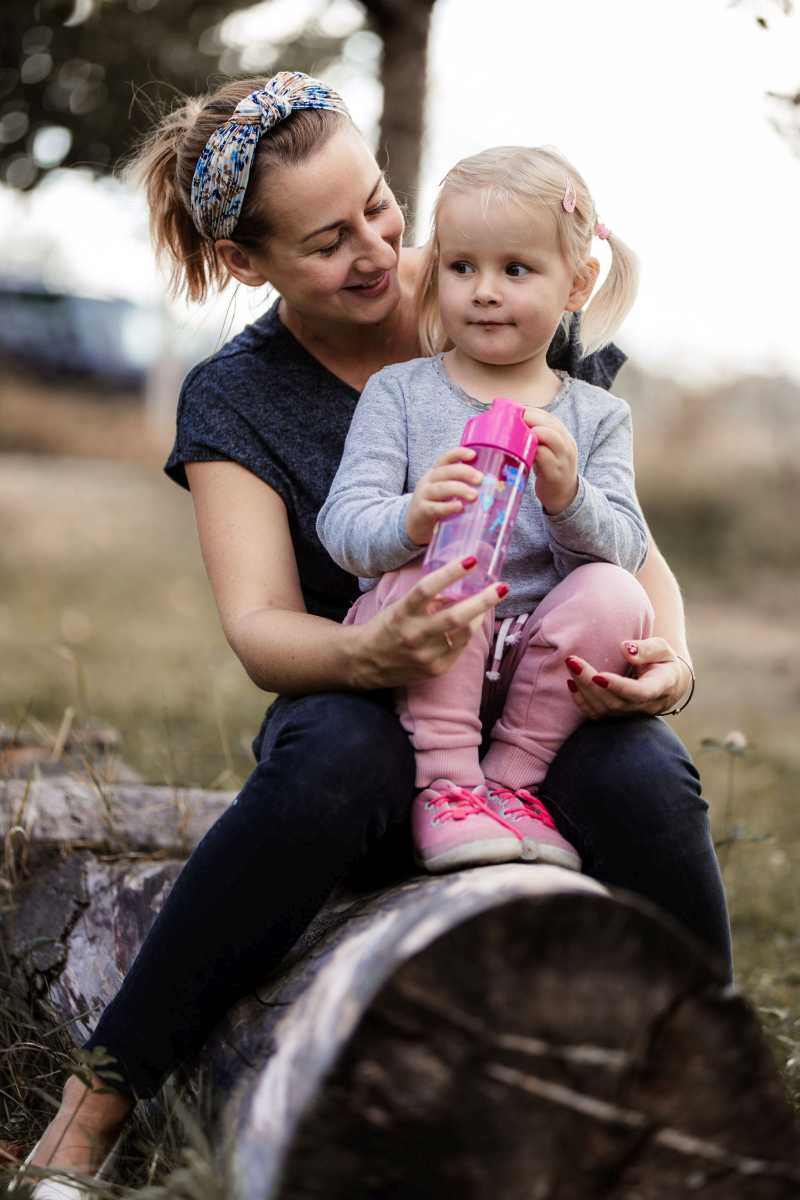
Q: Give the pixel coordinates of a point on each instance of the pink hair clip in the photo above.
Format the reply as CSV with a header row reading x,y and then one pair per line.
x,y
570,199
602,231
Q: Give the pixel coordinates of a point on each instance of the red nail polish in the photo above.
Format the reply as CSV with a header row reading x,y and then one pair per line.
x,y
573,665
631,647
572,685
502,589
467,563
600,680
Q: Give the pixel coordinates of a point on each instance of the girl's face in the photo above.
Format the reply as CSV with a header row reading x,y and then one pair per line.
x,y
335,249
503,282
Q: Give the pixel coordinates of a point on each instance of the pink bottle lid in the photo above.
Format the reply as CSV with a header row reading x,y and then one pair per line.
x,y
503,427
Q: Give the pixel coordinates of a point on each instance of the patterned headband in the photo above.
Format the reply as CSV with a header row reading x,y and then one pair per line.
x,y
223,169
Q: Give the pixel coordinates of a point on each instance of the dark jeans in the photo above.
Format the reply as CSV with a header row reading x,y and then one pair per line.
x,y
332,790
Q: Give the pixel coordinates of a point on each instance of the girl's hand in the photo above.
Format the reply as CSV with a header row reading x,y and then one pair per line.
x,y
661,682
445,489
556,462
421,635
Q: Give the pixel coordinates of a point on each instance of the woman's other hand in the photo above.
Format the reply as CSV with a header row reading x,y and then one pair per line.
x,y
421,635
661,681
445,489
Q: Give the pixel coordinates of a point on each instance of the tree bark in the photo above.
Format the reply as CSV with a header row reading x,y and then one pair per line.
x,y
404,27
512,1029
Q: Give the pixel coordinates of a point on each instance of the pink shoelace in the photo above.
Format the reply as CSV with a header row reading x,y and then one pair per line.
x,y
460,803
529,806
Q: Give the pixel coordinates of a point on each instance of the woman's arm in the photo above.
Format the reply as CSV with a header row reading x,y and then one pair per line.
x,y
248,554
662,680
662,587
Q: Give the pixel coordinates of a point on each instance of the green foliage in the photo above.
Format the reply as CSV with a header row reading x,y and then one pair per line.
x,y
94,84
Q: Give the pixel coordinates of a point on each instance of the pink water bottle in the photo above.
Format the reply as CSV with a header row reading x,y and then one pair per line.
x,y
506,448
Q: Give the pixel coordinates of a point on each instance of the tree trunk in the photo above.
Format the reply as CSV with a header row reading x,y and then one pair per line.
x,y
403,26
511,1029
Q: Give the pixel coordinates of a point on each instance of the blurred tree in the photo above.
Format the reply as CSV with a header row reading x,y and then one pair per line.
x,y
80,80
787,120
787,104
403,27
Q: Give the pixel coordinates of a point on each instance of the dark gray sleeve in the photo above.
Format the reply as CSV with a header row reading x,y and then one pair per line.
x,y
362,522
213,425
604,522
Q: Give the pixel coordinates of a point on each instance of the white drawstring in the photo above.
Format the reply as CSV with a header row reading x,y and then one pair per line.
x,y
505,638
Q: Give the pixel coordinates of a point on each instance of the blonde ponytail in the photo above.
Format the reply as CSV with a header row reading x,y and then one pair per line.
x,y
159,166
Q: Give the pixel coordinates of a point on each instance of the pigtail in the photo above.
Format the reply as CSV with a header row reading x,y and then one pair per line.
x,y
613,301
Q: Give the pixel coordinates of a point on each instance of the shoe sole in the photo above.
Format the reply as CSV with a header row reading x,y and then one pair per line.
x,y
472,854
552,855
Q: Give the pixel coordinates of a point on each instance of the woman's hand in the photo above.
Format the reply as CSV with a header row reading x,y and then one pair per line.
x,y
445,489
421,635
556,462
661,681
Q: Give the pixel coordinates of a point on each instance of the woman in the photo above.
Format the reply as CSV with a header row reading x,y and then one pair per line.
x,y
287,193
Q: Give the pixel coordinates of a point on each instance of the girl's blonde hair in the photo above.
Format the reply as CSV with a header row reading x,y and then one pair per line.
x,y
533,177
165,164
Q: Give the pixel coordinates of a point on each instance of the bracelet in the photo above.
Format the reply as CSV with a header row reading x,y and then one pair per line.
x,y
673,712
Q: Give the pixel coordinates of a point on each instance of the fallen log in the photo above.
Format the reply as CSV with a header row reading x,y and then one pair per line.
x,y
512,1029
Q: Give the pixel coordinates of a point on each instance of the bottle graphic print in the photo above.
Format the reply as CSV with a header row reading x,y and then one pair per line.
x,y
505,449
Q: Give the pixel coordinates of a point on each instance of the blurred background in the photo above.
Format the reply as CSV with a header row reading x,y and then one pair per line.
x,y
684,120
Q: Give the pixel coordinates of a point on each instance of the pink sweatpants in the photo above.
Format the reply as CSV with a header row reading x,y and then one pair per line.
x,y
589,614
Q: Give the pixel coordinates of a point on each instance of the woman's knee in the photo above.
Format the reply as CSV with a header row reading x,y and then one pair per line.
x,y
636,769
341,751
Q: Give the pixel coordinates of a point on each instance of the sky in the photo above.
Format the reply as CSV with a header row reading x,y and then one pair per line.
x,y
662,108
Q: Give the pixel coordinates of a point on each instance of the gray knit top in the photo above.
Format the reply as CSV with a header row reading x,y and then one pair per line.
x,y
410,413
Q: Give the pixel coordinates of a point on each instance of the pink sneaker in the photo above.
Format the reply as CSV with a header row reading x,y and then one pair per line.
x,y
541,841
454,827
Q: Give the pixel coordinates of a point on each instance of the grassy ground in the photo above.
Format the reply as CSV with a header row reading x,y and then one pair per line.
x,y
104,606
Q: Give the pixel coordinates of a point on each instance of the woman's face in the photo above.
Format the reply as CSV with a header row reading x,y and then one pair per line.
x,y
337,229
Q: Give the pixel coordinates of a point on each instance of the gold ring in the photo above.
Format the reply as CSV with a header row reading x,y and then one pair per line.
x,y
448,639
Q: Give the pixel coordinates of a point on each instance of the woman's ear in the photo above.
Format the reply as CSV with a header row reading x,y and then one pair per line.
x,y
239,263
582,285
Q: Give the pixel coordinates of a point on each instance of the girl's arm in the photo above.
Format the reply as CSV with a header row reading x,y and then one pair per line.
x,y
248,554
362,523
662,681
593,513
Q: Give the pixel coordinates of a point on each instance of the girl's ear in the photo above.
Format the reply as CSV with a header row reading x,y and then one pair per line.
x,y
239,263
582,285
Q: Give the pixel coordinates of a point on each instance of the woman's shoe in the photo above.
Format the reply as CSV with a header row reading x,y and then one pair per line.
x,y
62,1188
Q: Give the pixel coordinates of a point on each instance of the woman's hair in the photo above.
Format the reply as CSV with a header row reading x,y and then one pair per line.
x,y
165,164
533,178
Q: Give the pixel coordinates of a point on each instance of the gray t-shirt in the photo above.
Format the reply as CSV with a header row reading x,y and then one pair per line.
x,y
410,413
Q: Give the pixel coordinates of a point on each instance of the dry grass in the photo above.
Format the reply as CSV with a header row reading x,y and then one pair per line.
x,y
104,606
35,419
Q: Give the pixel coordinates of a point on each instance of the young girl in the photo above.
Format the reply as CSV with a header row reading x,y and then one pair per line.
x,y
508,260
